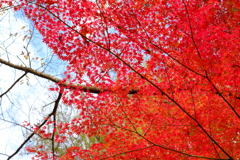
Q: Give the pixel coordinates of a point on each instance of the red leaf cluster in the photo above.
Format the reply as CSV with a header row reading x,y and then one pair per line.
x,y
181,57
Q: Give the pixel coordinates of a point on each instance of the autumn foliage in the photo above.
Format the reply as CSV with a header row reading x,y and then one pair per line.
x,y
168,71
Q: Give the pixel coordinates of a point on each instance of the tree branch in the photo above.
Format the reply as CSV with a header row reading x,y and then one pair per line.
x,y
59,81
13,84
54,119
145,78
135,150
46,119
157,145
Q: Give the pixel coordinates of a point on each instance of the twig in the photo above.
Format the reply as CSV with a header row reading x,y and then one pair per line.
x,y
46,119
14,84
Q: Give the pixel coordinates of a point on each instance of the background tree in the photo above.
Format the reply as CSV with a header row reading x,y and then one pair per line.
x,y
156,79
64,115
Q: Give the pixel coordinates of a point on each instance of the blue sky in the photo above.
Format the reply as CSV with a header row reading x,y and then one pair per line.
x,y
25,100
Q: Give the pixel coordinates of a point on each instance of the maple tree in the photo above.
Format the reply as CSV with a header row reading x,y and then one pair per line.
x,y
154,78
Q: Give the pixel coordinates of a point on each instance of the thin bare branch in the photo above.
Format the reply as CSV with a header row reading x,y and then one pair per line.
x,y
13,84
19,126
46,119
